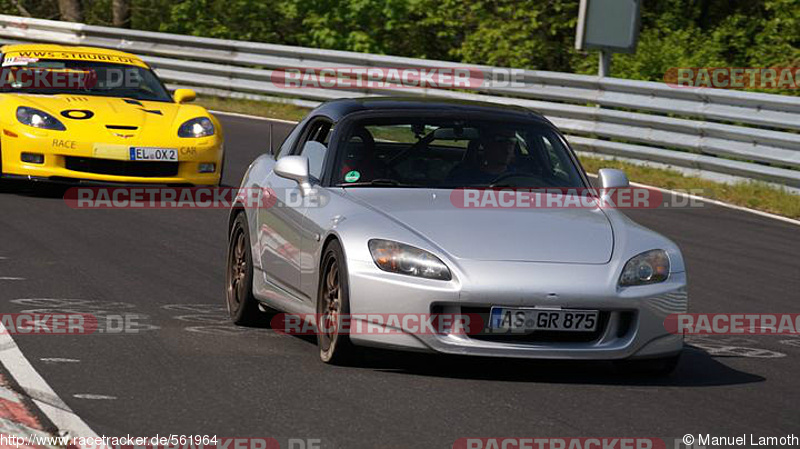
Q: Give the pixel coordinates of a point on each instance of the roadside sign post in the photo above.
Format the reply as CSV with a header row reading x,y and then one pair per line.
x,y
605,63
611,26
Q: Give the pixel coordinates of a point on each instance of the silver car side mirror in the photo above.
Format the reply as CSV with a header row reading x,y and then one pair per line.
x,y
296,169
611,178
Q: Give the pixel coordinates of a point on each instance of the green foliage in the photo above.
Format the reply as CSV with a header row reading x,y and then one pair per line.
x,y
40,9
514,33
537,35
705,33
229,19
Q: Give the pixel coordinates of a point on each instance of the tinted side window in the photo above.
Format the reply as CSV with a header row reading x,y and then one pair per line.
x,y
288,143
315,146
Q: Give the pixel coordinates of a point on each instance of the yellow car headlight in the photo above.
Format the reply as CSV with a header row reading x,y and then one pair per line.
x,y
196,127
38,119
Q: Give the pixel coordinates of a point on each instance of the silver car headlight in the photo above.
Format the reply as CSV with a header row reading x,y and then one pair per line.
x,y
38,119
396,257
650,267
196,127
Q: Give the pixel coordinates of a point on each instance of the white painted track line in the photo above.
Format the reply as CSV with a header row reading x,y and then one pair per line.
x,y
37,389
715,202
722,204
59,360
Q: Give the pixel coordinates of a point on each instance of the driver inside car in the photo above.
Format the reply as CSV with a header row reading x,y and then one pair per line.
x,y
498,155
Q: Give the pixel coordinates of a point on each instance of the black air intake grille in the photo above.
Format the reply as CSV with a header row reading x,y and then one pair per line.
x,y
122,168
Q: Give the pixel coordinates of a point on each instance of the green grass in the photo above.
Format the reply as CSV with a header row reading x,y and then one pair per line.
x,y
269,109
752,194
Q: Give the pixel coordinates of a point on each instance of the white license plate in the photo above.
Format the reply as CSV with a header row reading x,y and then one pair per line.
x,y
529,320
154,154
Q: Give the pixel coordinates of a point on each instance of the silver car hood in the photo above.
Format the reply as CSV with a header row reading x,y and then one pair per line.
x,y
582,236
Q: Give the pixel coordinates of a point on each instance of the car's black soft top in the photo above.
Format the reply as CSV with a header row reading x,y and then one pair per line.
x,y
337,109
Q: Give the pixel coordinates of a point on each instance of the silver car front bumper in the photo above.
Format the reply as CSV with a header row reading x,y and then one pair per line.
x,y
632,318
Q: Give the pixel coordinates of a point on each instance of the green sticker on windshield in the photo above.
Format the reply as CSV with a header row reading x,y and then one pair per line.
x,y
352,176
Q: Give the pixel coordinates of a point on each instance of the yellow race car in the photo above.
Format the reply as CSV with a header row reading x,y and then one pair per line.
x,y
84,113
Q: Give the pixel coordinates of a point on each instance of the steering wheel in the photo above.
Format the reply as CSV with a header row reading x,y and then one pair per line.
x,y
503,180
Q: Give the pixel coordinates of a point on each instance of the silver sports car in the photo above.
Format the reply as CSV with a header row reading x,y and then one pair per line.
x,y
381,211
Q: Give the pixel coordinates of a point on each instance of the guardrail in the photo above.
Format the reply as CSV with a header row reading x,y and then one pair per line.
x,y
744,134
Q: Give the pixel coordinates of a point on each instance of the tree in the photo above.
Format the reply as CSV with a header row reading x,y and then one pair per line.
x,y
539,35
71,10
121,13
21,8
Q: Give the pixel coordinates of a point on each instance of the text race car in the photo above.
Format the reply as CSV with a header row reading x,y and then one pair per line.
x,y
366,219
82,113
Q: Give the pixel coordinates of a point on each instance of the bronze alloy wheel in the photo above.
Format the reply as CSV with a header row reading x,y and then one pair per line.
x,y
242,306
332,305
237,272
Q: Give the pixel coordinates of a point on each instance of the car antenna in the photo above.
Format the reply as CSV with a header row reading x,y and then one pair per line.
x,y
270,139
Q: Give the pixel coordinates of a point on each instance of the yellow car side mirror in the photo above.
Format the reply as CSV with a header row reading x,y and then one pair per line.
x,y
184,95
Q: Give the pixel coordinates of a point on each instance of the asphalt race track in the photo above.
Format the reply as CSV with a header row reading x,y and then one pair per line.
x,y
189,371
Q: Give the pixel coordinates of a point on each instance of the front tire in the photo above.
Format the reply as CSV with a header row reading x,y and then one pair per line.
x,y
242,305
333,303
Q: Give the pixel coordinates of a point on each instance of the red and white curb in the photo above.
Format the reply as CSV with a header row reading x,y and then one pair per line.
x,y
24,396
17,419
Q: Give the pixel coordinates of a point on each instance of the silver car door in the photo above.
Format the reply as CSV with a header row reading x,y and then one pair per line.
x,y
281,224
279,233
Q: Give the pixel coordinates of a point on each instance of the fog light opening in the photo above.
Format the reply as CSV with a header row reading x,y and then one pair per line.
x,y
207,168
32,158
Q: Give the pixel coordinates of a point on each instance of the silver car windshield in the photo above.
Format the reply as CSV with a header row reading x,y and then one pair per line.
x,y
449,154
